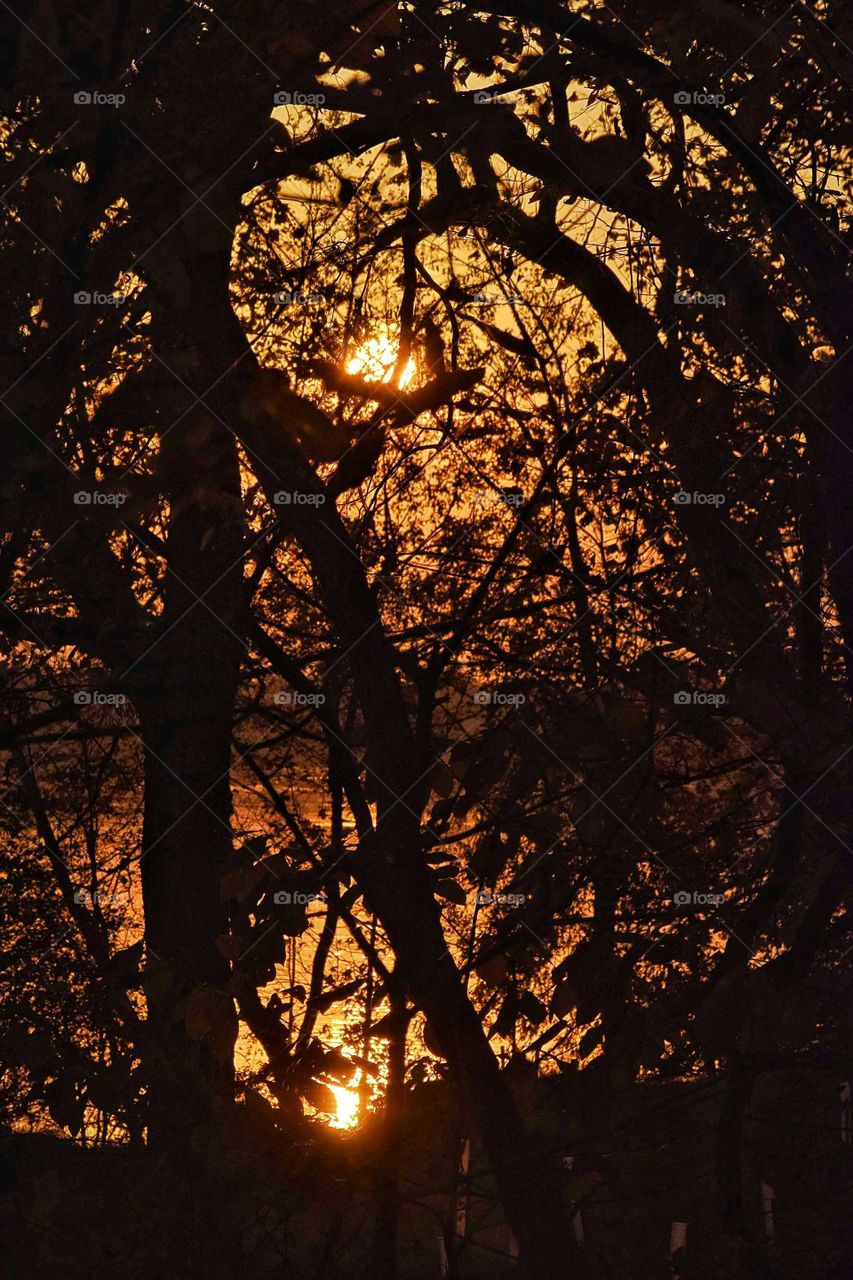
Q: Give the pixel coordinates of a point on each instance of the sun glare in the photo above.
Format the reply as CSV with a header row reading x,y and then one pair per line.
x,y
346,1116
375,359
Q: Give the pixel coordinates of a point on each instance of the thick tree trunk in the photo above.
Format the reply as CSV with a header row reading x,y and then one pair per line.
x,y
188,685
186,838
189,676
188,681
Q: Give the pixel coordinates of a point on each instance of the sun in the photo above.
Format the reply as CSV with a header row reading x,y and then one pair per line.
x,y
346,1116
376,357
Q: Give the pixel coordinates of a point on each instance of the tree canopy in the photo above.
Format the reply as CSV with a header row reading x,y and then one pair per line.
x,y
427,592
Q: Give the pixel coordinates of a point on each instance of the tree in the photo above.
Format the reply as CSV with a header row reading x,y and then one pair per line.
x,y
606,410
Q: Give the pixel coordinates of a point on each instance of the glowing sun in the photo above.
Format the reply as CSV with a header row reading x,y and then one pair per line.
x,y
346,1116
375,359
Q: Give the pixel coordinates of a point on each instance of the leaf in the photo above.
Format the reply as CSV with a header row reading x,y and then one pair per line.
x,y
265,948
34,1051
507,1016
461,758
107,1089
66,1105
222,1036
590,1040
241,882
336,1064
441,780
259,1109
531,1008
451,891
491,855
441,810
228,946
319,1096
387,1026
350,898
564,999
493,971
255,847
292,919
289,1105
123,966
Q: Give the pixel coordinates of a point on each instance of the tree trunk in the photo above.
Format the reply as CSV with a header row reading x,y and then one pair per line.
x,y
394,874
188,683
189,676
186,838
